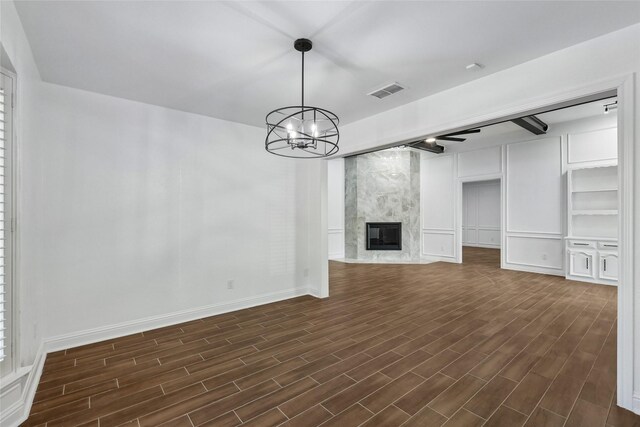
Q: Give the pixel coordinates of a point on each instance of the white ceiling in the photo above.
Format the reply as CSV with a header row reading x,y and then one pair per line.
x,y
235,60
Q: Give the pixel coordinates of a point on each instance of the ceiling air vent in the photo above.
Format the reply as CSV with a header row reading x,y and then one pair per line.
x,y
386,91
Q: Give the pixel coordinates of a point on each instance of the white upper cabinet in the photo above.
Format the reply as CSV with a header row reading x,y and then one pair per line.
x,y
593,202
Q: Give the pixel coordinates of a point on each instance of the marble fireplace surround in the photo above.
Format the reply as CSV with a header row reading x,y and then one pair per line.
x,y
383,186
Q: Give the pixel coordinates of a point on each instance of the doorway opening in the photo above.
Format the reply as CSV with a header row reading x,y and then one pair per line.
x,y
481,219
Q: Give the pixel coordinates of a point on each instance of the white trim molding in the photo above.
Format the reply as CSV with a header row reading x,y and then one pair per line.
x,y
479,244
336,253
18,390
90,336
532,267
458,207
315,293
433,256
12,299
440,258
627,351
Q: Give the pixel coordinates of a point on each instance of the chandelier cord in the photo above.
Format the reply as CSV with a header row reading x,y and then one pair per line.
x,y
302,86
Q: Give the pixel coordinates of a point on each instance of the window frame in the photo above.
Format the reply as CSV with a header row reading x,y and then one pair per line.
x,y
9,363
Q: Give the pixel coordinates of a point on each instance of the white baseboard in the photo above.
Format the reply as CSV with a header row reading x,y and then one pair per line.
x,y
589,280
91,336
636,403
28,378
480,245
315,293
533,269
20,388
439,258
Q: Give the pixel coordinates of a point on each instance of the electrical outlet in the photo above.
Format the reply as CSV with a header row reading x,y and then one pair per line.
x,y
230,284
544,257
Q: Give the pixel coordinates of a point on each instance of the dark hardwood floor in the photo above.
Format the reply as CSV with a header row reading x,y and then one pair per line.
x,y
411,345
481,256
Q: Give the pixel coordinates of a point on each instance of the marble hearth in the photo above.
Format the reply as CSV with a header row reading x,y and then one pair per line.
x,y
382,187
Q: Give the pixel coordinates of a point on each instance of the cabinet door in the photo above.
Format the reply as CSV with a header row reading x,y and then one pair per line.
x,y
609,266
581,263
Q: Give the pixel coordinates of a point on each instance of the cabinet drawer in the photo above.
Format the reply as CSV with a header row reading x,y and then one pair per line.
x,y
609,246
582,244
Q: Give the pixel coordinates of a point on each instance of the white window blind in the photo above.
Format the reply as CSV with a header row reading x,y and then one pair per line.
x,y
6,104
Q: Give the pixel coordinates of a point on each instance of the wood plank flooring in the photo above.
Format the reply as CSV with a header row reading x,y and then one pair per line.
x,y
411,345
481,256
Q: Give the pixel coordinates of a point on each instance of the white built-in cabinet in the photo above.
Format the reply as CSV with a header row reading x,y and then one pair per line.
x,y
608,267
592,241
581,263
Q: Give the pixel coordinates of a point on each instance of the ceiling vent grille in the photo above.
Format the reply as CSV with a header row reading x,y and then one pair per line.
x,y
387,90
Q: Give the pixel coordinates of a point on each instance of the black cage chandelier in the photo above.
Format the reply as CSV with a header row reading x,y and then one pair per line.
x,y
302,131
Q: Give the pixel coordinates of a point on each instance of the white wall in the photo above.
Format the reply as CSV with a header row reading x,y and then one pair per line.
x,y
143,211
481,214
133,215
535,206
313,219
335,191
437,204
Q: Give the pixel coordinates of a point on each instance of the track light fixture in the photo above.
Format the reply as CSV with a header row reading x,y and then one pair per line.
x,y
610,107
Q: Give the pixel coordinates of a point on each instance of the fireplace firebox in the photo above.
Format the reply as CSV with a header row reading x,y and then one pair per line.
x,y
386,236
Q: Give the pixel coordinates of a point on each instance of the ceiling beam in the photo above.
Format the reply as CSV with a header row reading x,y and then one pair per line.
x,y
427,146
532,124
463,132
